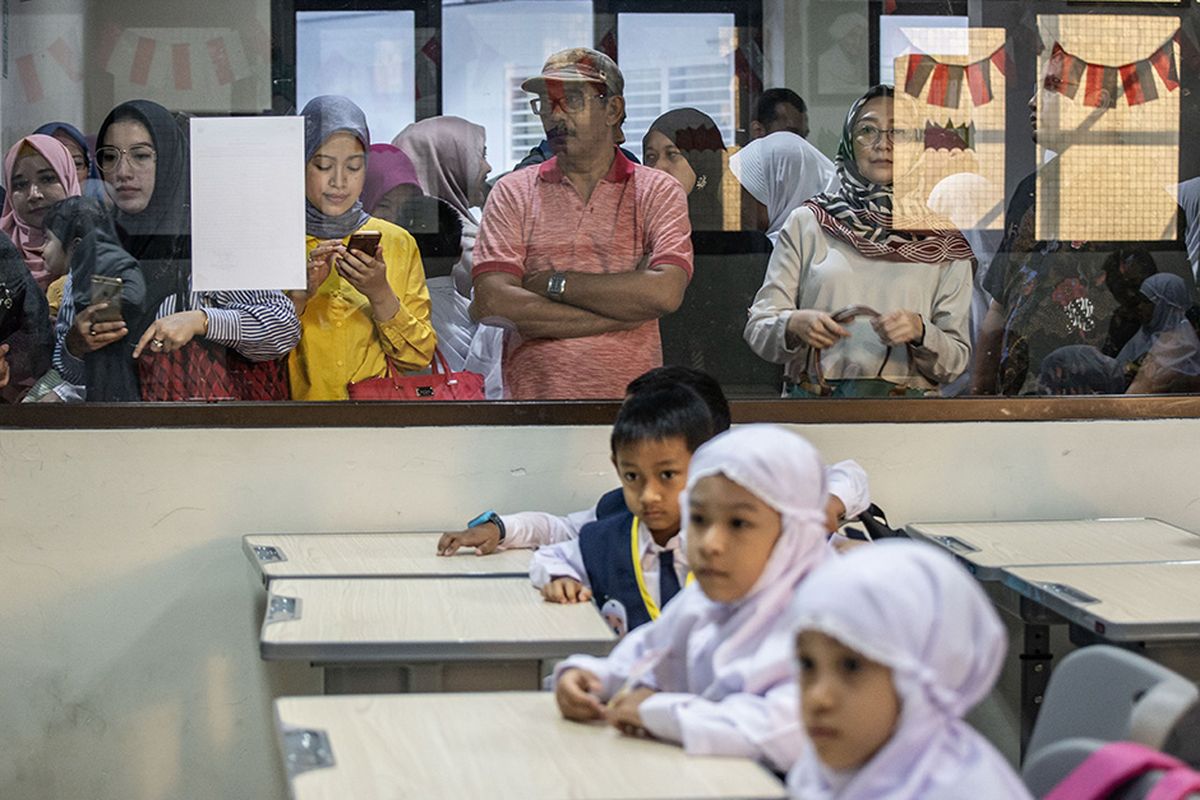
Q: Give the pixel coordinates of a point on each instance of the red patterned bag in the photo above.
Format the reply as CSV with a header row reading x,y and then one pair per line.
x,y
203,370
440,384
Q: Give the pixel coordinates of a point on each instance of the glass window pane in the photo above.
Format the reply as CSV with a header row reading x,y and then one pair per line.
x,y
498,45
895,40
364,55
676,61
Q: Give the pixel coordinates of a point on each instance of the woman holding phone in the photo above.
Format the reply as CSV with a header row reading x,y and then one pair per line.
x,y
143,156
366,302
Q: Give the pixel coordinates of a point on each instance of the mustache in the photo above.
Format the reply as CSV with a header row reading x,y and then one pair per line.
x,y
557,132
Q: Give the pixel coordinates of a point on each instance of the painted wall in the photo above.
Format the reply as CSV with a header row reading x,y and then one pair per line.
x,y
128,615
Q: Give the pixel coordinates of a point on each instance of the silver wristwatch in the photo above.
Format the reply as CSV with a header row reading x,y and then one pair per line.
x,y
556,287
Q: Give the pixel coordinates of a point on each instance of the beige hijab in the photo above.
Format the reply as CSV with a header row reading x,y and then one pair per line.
x,y
448,155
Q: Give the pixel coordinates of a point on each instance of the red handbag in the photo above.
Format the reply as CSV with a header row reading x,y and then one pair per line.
x,y
440,384
207,371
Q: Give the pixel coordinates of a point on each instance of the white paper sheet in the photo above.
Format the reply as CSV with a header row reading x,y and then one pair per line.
x,y
247,203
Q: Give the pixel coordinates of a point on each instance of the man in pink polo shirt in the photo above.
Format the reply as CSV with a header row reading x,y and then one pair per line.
x,y
582,254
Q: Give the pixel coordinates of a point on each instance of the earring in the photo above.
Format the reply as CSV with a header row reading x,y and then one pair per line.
x,y
702,181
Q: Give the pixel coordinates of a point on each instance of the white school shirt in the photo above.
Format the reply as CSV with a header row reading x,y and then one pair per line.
x,y
846,480
565,560
691,707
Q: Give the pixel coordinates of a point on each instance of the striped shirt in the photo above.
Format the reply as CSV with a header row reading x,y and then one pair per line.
x,y
260,325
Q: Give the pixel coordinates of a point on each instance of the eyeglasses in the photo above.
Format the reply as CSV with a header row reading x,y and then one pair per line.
x,y
571,103
141,156
870,135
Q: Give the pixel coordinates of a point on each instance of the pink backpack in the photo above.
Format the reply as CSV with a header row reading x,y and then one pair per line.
x,y
1117,763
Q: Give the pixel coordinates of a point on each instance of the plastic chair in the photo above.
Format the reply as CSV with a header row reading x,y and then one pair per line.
x,y
1103,692
1051,765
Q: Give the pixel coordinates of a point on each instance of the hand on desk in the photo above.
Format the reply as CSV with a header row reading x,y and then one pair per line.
x,y
566,590
622,712
577,695
484,538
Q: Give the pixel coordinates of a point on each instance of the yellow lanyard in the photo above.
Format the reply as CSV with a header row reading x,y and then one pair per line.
x,y
636,554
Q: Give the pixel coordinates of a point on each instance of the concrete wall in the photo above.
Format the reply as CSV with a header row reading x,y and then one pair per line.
x,y
128,616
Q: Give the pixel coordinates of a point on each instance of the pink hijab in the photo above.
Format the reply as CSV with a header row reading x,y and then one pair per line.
x,y
448,155
387,168
27,238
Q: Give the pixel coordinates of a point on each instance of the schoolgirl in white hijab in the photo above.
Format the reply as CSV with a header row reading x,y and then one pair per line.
x,y
895,643
713,673
781,171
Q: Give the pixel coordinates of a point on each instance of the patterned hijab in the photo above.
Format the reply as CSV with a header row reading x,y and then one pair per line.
x,y
860,212
323,117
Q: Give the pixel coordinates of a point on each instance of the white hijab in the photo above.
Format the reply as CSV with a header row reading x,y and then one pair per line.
x,y
913,609
713,650
1168,336
781,171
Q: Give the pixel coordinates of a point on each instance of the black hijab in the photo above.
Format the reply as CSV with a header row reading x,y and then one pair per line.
x,y
111,371
159,237
699,139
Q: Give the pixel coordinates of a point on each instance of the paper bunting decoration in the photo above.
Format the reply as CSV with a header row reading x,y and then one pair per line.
x,y
946,80
1066,72
145,60
949,136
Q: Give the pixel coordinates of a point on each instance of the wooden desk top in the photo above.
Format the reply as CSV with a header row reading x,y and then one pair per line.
x,y
498,745
372,555
987,547
1121,602
424,619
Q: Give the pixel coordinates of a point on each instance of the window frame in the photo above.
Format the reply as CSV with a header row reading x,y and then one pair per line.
x,y
427,18
904,8
39,416
120,416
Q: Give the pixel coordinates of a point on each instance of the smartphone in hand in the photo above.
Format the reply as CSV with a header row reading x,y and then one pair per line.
x,y
365,241
107,290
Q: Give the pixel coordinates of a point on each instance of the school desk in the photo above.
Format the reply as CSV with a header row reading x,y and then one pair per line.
x,y
372,555
1120,603
987,549
426,634
496,745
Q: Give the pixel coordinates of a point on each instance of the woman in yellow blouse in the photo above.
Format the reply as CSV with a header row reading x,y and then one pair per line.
x,y
360,309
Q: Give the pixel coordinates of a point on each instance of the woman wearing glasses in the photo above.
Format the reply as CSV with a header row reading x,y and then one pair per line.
x,y
852,306
39,172
143,157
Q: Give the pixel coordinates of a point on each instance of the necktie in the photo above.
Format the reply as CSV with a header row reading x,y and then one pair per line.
x,y
668,581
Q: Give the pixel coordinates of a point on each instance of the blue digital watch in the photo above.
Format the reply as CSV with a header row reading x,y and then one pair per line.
x,y
489,516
